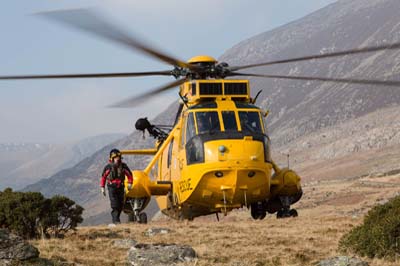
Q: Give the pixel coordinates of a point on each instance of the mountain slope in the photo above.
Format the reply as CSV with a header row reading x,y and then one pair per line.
x,y
299,107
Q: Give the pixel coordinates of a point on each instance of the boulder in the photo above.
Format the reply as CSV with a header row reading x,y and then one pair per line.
x,y
342,261
160,254
156,231
14,247
124,243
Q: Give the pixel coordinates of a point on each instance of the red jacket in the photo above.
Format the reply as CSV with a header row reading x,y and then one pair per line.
x,y
115,174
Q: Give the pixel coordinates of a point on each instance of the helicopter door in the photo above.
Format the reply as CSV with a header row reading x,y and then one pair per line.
x,y
190,128
194,145
169,158
164,163
175,155
188,131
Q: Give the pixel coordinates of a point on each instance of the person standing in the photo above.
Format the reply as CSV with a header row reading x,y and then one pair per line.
x,y
114,174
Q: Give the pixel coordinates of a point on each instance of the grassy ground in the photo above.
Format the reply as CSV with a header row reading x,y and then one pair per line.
x,y
328,210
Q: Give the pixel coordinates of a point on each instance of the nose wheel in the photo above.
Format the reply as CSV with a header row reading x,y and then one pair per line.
x,y
136,216
286,213
143,218
132,217
258,210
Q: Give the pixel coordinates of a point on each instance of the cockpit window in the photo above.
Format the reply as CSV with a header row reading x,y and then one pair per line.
x,y
250,122
190,129
207,122
229,120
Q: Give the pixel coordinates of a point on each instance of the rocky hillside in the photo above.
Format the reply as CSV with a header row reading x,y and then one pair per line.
x,y
26,163
298,107
368,145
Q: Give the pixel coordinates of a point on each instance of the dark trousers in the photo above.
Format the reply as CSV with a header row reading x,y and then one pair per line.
x,y
117,201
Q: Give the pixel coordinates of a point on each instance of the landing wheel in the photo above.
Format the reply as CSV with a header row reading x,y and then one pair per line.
x,y
280,214
143,218
293,213
257,211
131,217
262,215
254,212
286,213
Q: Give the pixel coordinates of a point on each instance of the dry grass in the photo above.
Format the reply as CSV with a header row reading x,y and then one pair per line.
x,y
328,210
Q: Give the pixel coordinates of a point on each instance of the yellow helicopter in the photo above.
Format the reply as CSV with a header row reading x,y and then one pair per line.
x,y
217,156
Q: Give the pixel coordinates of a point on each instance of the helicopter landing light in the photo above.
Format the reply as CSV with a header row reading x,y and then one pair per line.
x,y
219,174
222,149
251,174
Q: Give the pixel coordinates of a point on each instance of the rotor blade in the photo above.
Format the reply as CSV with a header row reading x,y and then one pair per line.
x,y
91,22
369,49
136,100
337,80
91,75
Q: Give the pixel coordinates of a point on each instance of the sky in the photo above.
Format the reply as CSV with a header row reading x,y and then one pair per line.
x,y
60,111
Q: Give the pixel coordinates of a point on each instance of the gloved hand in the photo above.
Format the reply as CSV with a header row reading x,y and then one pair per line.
x,y
103,191
129,186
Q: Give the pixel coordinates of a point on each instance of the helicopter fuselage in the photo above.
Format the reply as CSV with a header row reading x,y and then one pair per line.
x,y
217,157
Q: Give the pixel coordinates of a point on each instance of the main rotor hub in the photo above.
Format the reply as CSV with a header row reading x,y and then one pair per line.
x,y
206,67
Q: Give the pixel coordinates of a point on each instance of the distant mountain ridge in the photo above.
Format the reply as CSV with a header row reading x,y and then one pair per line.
x,y
297,108
26,163
12,146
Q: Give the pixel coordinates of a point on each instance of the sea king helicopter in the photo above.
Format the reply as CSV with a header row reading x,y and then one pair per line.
x,y
217,156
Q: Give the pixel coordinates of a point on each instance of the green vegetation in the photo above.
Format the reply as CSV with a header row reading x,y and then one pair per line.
x,y
31,215
379,235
